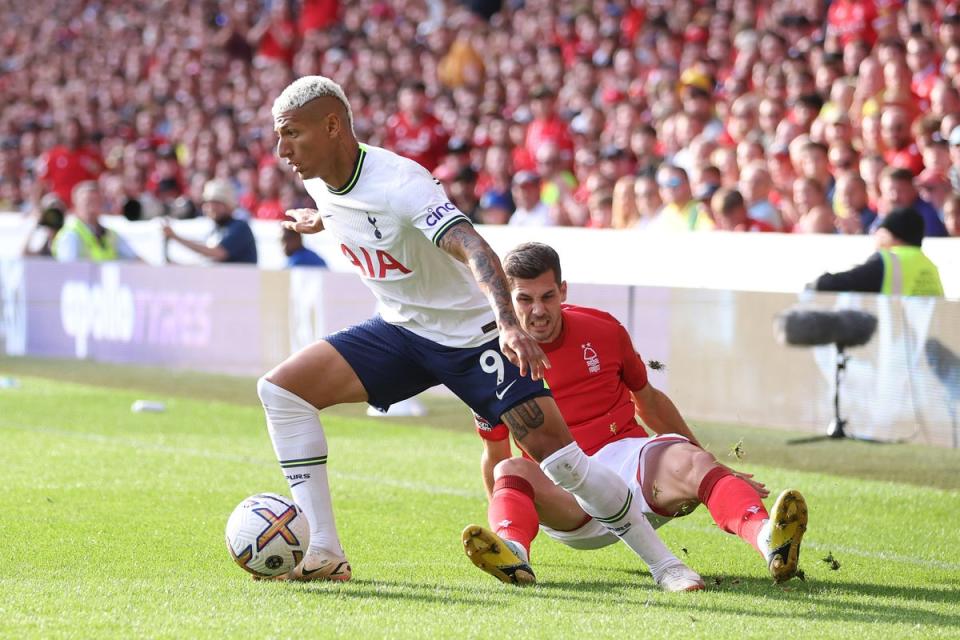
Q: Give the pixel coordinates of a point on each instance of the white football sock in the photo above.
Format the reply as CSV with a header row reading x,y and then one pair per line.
x,y
605,497
301,448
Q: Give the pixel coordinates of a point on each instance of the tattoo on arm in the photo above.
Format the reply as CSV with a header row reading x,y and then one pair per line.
x,y
464,243
523,418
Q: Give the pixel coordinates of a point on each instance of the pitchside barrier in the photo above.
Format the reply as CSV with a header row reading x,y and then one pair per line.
x,y
722,362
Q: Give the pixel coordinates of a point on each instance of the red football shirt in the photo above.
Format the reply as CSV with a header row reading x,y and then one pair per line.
x,y
424,142
594,367
852,20
63,168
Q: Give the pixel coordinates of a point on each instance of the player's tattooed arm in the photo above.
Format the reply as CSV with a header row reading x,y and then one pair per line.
x,y
464,243
523,418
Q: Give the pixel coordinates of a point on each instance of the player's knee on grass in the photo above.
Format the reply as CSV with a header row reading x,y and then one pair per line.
x,y
672,476
537,426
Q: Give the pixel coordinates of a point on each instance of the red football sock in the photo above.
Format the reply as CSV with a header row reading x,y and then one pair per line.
x,y
512,514
735,506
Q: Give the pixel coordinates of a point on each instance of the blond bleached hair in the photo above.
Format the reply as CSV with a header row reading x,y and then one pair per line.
x,y
307,88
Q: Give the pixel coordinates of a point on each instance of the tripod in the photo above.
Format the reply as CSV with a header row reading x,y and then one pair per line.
x,y
836,426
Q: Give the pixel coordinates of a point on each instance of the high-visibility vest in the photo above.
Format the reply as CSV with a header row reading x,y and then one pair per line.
x,y
97,250
908,272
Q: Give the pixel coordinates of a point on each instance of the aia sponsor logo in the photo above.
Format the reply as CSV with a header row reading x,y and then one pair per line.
x,y
374,263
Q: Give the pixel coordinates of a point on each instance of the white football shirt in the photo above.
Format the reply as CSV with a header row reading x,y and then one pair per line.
x,y
388,219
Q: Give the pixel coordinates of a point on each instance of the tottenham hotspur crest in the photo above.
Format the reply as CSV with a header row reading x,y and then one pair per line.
x,y
376,232
591,358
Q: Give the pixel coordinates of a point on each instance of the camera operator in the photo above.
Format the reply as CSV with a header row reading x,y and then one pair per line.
x,y
50,219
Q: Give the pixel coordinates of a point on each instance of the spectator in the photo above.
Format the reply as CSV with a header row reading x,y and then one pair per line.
x,y
899,267
648,200
231,239
547,127
50,219
897,191
811,213
901,150
854,214
297,254
83,237
74,161
954,174
680,211
531,210
414,132
755,186
731,213
951,215
934,187
493,209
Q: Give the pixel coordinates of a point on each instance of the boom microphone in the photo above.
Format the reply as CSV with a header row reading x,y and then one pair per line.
x,y
807,328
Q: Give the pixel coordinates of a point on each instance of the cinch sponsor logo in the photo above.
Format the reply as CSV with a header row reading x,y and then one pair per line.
x,y
436,215
108,311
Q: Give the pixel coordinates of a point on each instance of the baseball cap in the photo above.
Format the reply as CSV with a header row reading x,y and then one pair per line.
x,y
525,177
906,224
219,190
495,200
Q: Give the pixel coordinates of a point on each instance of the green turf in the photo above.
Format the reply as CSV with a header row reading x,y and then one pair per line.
x,y
113,522
912,464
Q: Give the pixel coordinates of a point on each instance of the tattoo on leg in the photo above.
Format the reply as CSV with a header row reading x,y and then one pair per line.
x,y
523,418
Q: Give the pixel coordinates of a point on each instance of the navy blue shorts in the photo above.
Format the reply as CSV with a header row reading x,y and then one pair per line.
x,y
395,364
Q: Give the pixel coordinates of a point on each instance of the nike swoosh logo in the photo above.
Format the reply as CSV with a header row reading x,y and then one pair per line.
x,y
308,572
503,392
296,483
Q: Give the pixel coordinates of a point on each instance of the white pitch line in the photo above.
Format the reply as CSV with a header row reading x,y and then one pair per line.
x,y
429,488
227,457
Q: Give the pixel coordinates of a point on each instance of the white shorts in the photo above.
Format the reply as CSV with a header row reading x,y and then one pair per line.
x,y
625,457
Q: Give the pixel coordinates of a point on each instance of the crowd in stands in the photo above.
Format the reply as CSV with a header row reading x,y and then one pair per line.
x,y
672,115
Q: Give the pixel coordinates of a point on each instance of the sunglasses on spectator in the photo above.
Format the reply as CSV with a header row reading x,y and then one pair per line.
x,y
671,183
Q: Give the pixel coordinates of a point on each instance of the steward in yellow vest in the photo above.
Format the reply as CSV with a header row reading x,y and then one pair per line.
x,y
83,237
899,267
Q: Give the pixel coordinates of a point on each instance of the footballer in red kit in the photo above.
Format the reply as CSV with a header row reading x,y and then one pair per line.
x,y
600,385
595,368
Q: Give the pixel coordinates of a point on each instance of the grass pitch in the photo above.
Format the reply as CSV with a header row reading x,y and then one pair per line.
x,y
113,527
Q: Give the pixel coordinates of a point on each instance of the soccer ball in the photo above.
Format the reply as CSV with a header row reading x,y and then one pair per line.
x,y
267,534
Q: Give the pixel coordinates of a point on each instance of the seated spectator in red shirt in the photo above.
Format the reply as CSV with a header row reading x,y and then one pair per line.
x,y
414,132
275,34
730,213
547,126
901,151
923,63
66,165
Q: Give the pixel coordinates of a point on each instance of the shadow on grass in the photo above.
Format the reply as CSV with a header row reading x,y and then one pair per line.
x,y
793,600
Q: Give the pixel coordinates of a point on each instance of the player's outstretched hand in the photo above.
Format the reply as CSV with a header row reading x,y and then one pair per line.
x,y
304,221
522,350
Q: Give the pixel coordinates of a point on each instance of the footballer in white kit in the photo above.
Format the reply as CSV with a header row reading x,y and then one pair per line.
x,y
435,325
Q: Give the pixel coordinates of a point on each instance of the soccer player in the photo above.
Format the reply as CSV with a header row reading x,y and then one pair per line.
x,y
447,319
599,381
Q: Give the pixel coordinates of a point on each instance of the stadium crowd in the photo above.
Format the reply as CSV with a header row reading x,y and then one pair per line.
x,y
743,115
